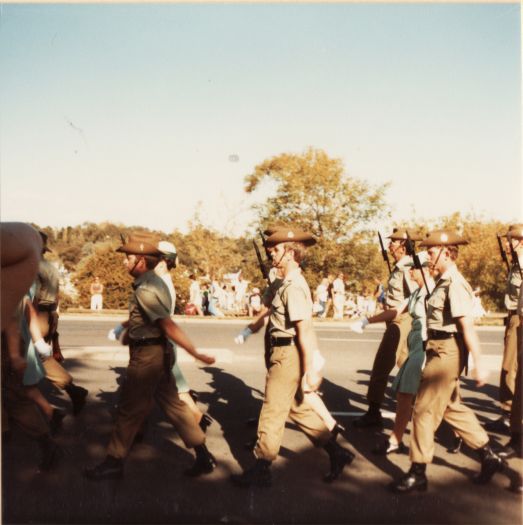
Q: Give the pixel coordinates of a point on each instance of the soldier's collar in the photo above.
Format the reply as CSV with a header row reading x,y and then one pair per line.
x,y
293,274
403,261
449,272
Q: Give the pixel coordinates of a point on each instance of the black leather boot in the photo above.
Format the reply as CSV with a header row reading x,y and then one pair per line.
x,y
339,457
55,424
512,449
500,425
78,397
490,464
51,453
204,463
109,468
456,445
259,475
205,421
338,429
414,479
371,418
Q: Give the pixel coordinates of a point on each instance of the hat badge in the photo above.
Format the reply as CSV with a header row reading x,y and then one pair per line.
x,y
141,246
444,237
290,235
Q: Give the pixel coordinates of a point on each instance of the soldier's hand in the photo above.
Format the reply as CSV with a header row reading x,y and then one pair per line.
x,y
115,333
243,336
44,350
480,374
359,325
311,381
207,359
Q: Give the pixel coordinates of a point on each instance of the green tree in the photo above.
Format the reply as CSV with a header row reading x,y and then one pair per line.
x,y
312,191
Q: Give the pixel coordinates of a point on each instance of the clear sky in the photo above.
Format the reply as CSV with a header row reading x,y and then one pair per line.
x,y
136,113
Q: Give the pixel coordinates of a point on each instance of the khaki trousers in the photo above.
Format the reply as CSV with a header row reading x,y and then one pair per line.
x,y
16,406
146,380
281,387
439,398
507,380
392,350
516,413
56,373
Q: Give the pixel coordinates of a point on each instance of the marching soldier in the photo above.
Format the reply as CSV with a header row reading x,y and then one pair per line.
x,y
393,346
507,380
514,448
290,368
149,372
46,305
451,336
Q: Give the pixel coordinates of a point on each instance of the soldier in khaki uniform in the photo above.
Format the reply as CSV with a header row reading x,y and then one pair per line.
x,y
149,372
290,368
514,448
451,335
46,305
393,347
507,380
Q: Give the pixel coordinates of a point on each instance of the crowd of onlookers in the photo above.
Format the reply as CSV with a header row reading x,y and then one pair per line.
x,y
231,295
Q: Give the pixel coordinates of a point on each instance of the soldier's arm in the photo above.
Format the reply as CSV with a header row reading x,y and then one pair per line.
x,y
465,325
175,333
307,344
12,335
20,254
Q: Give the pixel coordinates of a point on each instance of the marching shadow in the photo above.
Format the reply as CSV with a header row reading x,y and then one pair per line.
x,y
230,395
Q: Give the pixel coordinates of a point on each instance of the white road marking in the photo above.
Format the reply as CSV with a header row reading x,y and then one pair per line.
x,y
121,354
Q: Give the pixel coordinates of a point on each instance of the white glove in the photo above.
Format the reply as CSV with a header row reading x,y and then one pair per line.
x,y
318,361
43,349
359,325
243,336
115,333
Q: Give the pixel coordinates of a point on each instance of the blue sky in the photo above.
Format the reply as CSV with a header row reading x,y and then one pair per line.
x,y
131,113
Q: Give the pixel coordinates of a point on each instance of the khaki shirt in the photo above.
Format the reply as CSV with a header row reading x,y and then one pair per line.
x,y
292,302
270,291
149,302
451,298
47,283
513,287
399,286
520,302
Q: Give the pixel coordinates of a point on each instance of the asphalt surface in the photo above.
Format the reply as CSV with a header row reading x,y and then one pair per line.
x,y
154,489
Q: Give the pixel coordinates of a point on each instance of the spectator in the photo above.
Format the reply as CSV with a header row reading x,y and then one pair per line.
x,y
255,305
96,290
195,294
322,297
338,296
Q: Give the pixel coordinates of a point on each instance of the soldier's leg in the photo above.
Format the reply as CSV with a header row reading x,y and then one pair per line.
x,y
62,379
381,367
182,418
438,384
143,374
507,380
281,385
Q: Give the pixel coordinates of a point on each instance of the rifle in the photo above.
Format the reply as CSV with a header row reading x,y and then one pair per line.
x,y
514,256
261,264
502,252
264,244
411,250
384,253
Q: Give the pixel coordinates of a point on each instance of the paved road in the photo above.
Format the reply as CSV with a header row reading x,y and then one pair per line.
x,y
154,491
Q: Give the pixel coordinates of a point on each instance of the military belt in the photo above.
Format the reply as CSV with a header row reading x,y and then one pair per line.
x,y
150,341
440,334
46,307
281,341
512,312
